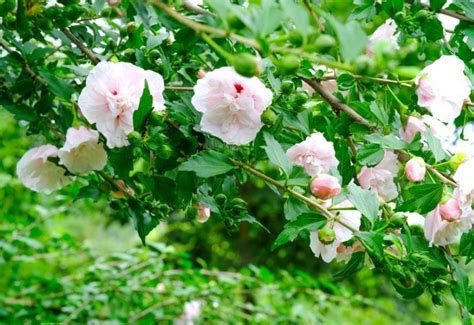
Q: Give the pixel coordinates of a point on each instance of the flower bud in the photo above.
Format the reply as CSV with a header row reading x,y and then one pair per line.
x,y
326,235
134,137
221,198
325,187
246,65
287,87
131,27
451,210
269,117
204,213
324,42
457,160
295,38
300,98
288,64
415,169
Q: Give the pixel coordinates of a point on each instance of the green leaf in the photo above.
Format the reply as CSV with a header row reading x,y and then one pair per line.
x,y
143,222
433,29
298,16
207,164
355,264
144,109
57,86
370,155
386,141
422,198
276,154
373,243
351,37
466,246
435,146
462,292
345,81
437,4
293,208
467,6
306,221
364,200
121,161
379,113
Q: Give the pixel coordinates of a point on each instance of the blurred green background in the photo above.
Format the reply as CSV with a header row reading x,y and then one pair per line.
x,y
72,261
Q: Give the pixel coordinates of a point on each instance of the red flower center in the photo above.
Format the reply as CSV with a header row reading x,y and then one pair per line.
x,y
114,92
238,88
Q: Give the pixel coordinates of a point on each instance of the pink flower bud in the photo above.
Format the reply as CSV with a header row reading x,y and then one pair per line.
x,y
451,210
204,213
325,186
415,169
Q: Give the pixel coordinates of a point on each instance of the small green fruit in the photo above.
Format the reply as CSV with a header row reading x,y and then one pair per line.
x,y
324,42
287,87
326,235
289,64
165,151
246,65
300,99
295,38
269,117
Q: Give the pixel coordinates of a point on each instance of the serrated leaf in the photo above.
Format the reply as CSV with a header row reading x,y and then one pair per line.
x,y
466,246
143,221
422,198
354,265
144,109
276,154
435,146
370,155
365,201
386,141
57,86
207,164
310,221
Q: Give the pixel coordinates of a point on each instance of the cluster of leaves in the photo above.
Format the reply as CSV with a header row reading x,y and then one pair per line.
x,y
170,165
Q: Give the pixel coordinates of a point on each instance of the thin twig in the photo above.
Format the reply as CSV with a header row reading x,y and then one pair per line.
x,y
313,15
81,46
450,13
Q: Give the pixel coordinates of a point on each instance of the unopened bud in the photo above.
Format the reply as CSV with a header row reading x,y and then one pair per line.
x,y
269,117
204,213
415,169
457,160
326,235
325,187
451,210
288,64
246,65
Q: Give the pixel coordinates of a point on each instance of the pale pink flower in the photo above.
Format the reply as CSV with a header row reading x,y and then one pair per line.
x,y
350,218
82,152
441,232
315,154
204,213
415,169
384,33
464,177
191,312
379,179
231,105
325,186
112,94
39,174
442,88
414,126
451,210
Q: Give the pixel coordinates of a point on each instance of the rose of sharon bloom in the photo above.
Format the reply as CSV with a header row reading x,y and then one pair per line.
x,y
192,310
40,175
325,186
464,177
384,33
348,217
415,169
112,94
379,179
204,213
315,154
82,153
441,232
451,210
231,105
442,88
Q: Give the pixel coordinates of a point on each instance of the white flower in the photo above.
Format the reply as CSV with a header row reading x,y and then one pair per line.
x,y
82,153
39,174
414,219
350,218
464,177
231,105
442,88
112,94
441,232
384,33
315,154
192,310
379,179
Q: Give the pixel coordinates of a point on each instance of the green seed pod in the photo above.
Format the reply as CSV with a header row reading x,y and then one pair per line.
x,y
221,198
287,87
295,38
326,235
288,64
324,42
165,151
300,99
246,65
269,117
